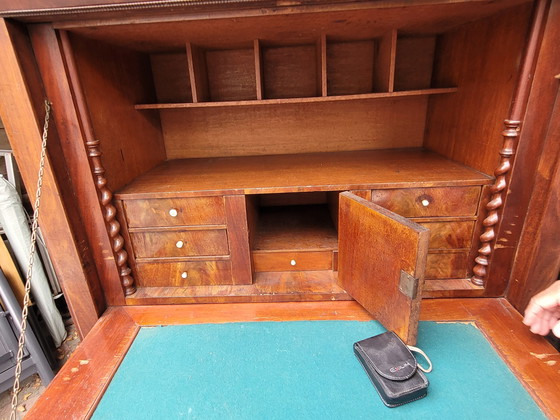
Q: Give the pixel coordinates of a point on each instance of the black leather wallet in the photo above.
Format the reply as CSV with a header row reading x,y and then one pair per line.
x,y
392,369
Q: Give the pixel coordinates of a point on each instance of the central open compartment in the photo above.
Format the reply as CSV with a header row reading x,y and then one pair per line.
x,y
294,232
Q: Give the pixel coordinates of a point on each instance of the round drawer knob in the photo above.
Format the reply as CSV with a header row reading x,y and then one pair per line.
x,y
293,262
173,212
179,244
425,202
184,274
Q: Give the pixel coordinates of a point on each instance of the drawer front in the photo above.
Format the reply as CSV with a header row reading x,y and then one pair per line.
x,y
183,243
450,235
175,212
428,202
453,265
184,273
293,261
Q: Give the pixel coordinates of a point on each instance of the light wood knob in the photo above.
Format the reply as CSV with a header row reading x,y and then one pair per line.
x,y
179,244
425,202
293,262
184,274
173,212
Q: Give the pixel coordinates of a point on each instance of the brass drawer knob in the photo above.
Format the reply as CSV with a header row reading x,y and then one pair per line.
x,y
184,274
293,262
173,212
179,244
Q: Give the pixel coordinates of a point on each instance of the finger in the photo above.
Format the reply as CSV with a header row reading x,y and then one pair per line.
x,y
556,329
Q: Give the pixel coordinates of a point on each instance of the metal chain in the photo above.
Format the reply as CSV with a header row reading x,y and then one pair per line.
x,y
35,223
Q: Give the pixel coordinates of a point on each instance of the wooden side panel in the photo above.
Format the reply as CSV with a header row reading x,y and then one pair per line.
x,y
350,67
384,73
294,128
482,59
23,126
238,237
375,245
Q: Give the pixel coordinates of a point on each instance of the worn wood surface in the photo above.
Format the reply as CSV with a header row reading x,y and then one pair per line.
x,y
365,230
530,357
300,173
22,120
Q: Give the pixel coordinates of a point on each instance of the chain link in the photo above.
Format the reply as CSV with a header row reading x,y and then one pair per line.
x,y
34,225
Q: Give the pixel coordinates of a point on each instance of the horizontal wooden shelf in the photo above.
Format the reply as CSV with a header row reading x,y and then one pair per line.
x,y
268,174
335,98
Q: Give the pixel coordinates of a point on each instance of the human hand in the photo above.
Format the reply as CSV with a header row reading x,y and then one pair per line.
x,y
543,312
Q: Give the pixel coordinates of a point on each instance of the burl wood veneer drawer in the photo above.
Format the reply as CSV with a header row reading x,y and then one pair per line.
x,y
292,261
175,211
450,235
181,243
184,273
452,265
428,202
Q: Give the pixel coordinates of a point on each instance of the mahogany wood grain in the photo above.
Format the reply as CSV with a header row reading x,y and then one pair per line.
x,y
449,234
302,100
231,75
184,273
171,77
414,60
323,65
72,260
238,239
366,229
285,286
482,58
300,173
197,73
259,86
384,72
264,261
350,67
425,202
531,358
447,265
290,71
81,382
175,212
180,243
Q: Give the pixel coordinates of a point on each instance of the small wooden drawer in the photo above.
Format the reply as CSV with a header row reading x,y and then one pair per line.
x,y
452,265
450,235
175,212
427,202
292,261
184,273
181,243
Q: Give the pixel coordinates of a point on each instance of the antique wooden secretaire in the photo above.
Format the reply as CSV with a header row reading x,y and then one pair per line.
x,y
205,152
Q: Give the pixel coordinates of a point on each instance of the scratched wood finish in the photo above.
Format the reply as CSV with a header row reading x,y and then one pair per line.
x,y
422,202
300,173
366,229
175,212
531,358
184,273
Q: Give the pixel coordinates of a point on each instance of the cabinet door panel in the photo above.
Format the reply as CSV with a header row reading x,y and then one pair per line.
x,y
379,253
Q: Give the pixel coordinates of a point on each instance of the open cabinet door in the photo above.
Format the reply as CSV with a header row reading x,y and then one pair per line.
x,y
381,263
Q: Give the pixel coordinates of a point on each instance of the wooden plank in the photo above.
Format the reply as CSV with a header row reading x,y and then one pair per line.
x,y
231,75
259,83
83,379
366,229
197,73
384,74
22,122
238,238
414,61
10,270
299,173
322,65
171,77
350,67
294,128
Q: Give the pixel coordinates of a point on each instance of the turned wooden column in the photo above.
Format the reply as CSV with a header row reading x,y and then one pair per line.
x,y
510,135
